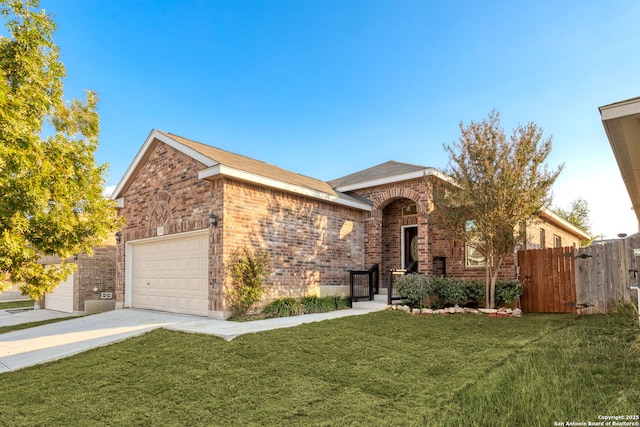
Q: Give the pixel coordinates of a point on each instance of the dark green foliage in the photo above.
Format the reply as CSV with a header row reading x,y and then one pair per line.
x,y
338,302
414,288
420,290
314,304
508,291
475,291
284,307
450,291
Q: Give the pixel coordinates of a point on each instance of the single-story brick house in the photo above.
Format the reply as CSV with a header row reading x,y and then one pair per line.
x,y
188,206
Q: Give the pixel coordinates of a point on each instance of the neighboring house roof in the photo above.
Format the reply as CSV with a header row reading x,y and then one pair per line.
x,y
384,173
621,122
550,216
218,162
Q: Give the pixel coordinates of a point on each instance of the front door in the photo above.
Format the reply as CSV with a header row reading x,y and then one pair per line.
x,y
410,249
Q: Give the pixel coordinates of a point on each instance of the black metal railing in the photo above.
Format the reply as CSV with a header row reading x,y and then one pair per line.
x,y
392,293
364,284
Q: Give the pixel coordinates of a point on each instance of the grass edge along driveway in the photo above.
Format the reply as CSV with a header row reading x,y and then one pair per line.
x,y
385,368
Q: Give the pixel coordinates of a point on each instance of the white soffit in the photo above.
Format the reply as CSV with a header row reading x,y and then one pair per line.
x,y
222,170
620,109
621,122
155,134
395,178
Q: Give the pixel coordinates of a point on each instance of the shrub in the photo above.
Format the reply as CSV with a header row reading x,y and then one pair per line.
x,y
284,307
246,272
314,304
450,291
339,302
414,288
475,292
508,290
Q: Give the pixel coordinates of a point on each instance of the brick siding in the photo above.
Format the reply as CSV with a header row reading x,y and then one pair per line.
x,y
311,242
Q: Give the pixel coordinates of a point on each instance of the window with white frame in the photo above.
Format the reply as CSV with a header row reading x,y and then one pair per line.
x,y
557,241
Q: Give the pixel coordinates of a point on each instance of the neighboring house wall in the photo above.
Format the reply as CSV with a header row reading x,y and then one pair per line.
x,y
93,281
539,229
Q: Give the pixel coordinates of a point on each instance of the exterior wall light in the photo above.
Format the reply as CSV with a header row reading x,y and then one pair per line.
x,y
118,237
213,220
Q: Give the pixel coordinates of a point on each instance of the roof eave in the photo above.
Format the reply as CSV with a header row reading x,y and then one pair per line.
x,y
621,123
395,178
160,136
220,170
554,217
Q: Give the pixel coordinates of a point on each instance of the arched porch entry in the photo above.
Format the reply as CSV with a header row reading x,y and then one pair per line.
x,y
398,234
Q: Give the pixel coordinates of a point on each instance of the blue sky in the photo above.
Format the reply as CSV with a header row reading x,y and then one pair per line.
x,y
327,88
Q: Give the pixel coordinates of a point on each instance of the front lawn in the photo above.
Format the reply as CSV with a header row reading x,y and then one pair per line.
x,y
386,368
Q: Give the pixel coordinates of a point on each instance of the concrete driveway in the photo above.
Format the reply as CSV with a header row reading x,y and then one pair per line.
x,y
54,341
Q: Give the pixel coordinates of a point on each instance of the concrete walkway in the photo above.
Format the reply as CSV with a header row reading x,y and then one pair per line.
x,y
54,341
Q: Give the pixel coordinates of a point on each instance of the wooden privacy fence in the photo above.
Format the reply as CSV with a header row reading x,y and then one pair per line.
x,y
604,273
549,280
588,280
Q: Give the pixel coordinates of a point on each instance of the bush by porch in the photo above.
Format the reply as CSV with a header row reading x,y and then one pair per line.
x,y
420,291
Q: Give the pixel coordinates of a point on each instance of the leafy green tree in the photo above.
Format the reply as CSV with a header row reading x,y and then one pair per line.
x,y
52,202
578,215
497,183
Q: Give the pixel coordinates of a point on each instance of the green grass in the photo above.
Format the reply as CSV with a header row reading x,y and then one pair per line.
x,y
5,329
15,304
386,368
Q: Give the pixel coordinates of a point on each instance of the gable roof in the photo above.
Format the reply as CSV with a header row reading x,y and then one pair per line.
x,y
384,173
218,162
392,171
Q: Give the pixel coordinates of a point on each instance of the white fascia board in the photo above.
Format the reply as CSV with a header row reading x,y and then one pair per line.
x,y
222,170
620,109
564,223
395,178
155,134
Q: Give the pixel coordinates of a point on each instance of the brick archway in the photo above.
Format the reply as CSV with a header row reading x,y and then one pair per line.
x,y
382,200
387,226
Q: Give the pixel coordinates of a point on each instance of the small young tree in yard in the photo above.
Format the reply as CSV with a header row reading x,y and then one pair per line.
x,y
52,202
497,183
246,272
578,215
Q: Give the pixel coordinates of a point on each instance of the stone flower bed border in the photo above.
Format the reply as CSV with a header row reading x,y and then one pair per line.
x,y
493,312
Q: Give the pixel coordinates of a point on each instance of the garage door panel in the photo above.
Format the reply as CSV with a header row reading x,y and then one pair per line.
x,y
171,274
61,299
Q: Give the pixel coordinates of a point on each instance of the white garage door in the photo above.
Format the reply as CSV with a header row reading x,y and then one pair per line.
x,y
61,299
170,274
